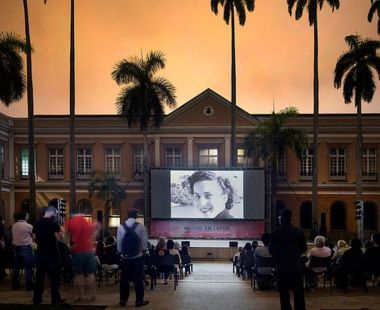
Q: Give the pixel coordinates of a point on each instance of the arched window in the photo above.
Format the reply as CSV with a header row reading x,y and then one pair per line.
x,y
114,217
84,207
338,216
279,206
369,216
305,215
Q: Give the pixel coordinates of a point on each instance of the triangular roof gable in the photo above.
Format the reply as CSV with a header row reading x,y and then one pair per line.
x,y
208,108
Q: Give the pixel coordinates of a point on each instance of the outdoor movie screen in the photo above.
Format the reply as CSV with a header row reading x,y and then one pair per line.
x,y
208,194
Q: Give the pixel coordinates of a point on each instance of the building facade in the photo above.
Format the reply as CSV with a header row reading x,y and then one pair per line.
x,y
197,134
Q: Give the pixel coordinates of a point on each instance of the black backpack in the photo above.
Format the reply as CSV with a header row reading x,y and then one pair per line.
x,y
130,245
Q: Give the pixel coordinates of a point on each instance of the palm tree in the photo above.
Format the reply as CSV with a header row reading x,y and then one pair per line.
x,y
229,12
312,9
375,7
106,188
270,140
12,77
356,68
29,88
143,97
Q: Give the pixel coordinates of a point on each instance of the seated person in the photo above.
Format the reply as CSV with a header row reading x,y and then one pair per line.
x,y
262,251
174,252
341,247
110,259
246,259
320,250
185,258
350,264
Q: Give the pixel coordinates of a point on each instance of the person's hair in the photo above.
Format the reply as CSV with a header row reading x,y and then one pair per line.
x,y
248,247
376,238
224,184
265,238
319,241
110,240
356,243
161,244
170,244
286,216
177,245
132,213
50,211
20,215
341,244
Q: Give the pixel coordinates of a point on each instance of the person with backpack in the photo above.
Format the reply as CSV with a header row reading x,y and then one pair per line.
x,y
132,243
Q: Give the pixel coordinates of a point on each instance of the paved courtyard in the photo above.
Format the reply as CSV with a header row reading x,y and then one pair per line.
x,y
212,286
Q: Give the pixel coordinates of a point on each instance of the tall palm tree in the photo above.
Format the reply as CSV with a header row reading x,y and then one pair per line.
x,y
270,140
29,88
72,107
356,67
312,9
375,7
229,13
143,97
12,77
106,188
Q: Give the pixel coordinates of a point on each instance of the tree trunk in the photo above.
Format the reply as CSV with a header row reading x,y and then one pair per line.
x,y
359,147
233,90
29,83
72,111
315,127
145,175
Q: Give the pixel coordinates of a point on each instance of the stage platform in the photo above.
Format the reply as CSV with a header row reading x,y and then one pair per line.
x,y
210,249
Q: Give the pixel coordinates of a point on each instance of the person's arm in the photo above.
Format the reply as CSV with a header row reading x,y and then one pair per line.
x,y
119,237
144,239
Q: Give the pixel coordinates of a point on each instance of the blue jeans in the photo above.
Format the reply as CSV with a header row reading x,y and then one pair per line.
x,y
23,257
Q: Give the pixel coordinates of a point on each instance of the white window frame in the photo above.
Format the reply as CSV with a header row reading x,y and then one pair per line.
x,y
86,158
242,159
24,163
281,164
338,163
138,161
57,161
112,160
173,157
369,163
306,164
210,157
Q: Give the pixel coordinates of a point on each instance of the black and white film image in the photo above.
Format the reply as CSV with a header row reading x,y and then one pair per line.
x,y
207,194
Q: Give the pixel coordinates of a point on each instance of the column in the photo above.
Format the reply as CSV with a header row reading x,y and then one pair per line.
x,y
227,152
157,152
190,152
11,158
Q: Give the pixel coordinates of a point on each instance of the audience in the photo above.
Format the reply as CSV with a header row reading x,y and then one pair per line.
x,y
372,257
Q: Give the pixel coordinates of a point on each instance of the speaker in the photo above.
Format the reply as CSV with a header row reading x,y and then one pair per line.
x,y
187,243
233,244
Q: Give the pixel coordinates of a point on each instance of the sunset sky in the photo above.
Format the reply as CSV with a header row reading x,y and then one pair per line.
x,y
274,52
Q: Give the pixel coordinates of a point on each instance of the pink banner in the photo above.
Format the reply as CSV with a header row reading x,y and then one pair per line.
x,y
206,229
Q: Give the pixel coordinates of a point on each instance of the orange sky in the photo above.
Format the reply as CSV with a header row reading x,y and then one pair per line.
x,y
274,52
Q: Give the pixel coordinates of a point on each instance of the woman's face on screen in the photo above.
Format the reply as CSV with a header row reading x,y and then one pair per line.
x,y
209,198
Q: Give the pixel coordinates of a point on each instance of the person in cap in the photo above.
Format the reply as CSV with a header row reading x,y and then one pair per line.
x,y
46,232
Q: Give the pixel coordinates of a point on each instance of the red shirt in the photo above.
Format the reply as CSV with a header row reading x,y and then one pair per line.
x,y
81,232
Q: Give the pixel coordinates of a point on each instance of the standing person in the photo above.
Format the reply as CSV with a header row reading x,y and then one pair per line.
x,y
2,248
286,246
46,232
132,241
23,252
81,233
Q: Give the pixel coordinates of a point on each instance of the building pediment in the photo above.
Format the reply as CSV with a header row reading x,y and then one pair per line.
x,y
207,109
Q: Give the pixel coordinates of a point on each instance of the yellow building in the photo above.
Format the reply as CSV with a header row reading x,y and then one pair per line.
x,y
197,134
